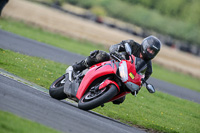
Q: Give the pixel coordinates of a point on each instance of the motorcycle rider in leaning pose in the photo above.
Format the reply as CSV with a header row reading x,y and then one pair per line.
x,y
145,52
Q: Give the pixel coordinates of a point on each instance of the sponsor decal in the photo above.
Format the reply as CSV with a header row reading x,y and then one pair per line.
x,y
131,75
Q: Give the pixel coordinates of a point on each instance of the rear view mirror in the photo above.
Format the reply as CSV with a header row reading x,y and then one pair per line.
x,y
128,49
150,88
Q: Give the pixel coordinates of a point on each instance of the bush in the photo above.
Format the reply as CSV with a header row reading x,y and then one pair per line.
x,y
98,11
153,19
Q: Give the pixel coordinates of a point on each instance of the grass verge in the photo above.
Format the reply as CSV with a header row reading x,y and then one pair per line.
x,y
10,123
84,48
159,111
34,69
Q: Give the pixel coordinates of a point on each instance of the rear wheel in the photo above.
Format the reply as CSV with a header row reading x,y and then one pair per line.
x,y
95,98
56,89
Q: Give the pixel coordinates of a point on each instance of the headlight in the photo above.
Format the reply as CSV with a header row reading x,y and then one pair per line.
x,y
123,72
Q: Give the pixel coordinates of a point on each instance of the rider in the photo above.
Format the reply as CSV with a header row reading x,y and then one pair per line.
x,y
148,49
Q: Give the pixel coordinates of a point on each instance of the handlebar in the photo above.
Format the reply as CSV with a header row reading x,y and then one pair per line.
x,y
117,56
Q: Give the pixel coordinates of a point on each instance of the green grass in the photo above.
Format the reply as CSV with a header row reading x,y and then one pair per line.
x,y
84,48
159,111
177,78
34,69
10,123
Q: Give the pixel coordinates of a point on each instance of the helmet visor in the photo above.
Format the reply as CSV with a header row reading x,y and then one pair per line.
x,y
149,50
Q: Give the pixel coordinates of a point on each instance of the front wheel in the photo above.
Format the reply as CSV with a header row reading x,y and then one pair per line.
x,y
56,89
91,100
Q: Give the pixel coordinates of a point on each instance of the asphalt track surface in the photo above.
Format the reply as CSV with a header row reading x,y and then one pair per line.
x,y
38,106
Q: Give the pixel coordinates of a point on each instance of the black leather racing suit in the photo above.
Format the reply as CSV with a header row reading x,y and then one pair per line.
x,y
141,65
98,56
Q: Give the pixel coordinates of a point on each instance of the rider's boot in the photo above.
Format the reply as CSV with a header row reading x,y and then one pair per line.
x,y
76,68
73,71
82,65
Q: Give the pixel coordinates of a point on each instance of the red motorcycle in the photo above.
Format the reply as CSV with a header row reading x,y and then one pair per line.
x,y
104,82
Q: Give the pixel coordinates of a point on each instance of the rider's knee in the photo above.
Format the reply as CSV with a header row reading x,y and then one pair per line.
x,y
97,56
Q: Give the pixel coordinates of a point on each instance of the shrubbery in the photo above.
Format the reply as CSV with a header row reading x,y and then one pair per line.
x,y
178,18
187,10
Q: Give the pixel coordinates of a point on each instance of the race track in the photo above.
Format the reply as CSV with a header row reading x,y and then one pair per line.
x,y
33,104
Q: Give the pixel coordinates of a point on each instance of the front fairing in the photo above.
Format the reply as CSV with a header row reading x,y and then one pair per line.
x,y
96,71
129,76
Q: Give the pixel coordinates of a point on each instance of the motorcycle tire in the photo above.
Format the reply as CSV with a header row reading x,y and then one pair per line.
x,y
56,89
97,101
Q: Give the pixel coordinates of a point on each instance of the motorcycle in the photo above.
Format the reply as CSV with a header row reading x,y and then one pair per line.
x,y
104,82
